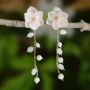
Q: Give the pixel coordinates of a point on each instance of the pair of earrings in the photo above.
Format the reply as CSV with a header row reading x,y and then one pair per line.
x,y
57,19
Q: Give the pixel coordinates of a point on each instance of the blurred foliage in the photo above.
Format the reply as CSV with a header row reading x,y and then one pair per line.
x,y
16,64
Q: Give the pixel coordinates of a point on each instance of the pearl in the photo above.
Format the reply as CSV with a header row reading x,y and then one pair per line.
x,y
61,77
34,71
39,57
37,80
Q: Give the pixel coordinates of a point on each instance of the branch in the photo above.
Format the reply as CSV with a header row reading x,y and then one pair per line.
x,y
83,26
12,23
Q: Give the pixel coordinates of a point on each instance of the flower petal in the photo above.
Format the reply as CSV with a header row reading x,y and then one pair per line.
x,y
34,25
48,22
65,14
51,15
57,9
40,13
64,22
55,25
28,16
31,9
26,24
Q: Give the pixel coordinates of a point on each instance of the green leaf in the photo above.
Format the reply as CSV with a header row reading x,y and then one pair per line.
x,y
72,49
48,66
21,82
22,63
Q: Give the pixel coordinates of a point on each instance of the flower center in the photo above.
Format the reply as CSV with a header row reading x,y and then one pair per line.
x,y
33,19
56,18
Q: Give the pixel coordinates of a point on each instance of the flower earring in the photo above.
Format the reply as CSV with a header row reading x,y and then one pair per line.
x,y
33,20
58,19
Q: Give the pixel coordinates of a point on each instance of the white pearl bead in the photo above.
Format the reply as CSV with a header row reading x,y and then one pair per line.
x,y
63,32
37,45
30,35
61,77
37,80
59,51
61,67
30,49
60,60
59,44
39,57
34,71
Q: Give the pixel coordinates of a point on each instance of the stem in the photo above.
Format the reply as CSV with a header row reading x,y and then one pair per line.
x,y
56,51
35,63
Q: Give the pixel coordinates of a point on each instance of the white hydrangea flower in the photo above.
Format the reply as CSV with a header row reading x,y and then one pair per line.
x,y
59,44
34,71
37,45
59,51
63,32
57,18
39,57
30,49
60,60
37,80
61,77
30,35
33,18
61,67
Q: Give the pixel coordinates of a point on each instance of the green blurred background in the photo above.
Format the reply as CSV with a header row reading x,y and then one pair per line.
x,y
16,63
